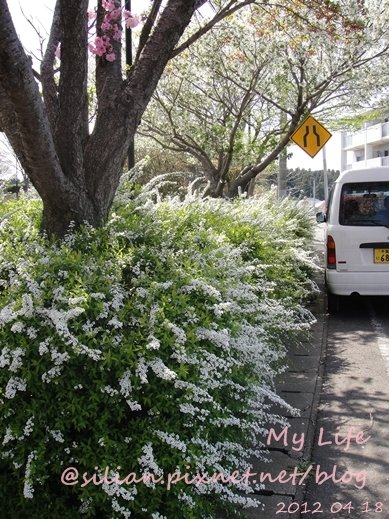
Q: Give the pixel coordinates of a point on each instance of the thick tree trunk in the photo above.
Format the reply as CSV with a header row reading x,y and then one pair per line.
x,y
57,217
216,186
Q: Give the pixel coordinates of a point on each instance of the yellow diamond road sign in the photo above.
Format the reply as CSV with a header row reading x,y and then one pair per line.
x,y
311,136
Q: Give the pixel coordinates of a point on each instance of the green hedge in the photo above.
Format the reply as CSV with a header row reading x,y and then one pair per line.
x,y
151,345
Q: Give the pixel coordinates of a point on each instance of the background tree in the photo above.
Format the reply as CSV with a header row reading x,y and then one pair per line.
x,y
221,101
201,109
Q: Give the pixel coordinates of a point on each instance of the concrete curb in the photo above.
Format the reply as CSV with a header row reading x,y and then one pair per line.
x,y
310,437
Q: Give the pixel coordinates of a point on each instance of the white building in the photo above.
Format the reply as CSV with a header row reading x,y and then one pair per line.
x,y
368,147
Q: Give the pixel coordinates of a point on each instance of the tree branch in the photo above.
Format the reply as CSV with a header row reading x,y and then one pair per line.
x,y
146,31
72,122
228,10
108,74
49,87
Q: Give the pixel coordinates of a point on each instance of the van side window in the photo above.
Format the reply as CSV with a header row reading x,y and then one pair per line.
x,y
364,204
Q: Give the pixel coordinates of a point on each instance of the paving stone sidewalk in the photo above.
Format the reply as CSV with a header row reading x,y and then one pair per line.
x,y
300,387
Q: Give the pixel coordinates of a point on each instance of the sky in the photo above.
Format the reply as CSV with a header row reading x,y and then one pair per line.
x,y
40,13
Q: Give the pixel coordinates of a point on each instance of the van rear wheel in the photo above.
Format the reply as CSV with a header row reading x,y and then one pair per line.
x,y
333,303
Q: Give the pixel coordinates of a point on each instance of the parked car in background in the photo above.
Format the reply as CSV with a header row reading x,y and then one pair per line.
x,y
357,235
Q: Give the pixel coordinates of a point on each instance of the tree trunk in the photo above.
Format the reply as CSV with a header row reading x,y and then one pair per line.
x,y
282,165
282,174
59,214
251,188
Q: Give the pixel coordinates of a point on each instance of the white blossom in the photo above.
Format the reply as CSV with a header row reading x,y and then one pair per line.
x,y
29,427
125,384
147,461
76,300
97,295
92,353
141,292
172,439
87,327
5,357
7,314
219,338
85,505
43,346
203,286
27,306
161,370
153,343
14,384
57,435
134,406
17,327
17,355
32,332
28,489
8,437
178,332
110,390
141,370
60,318
115,323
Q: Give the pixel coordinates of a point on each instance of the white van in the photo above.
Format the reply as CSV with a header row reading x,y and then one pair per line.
x,y
357,235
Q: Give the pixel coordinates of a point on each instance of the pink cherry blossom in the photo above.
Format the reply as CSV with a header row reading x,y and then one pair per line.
x,y
116,14
117,34
102,44
110,57
108,5
106,26
131,20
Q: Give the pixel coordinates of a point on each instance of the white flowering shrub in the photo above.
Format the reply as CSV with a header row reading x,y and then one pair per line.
x,y
150,347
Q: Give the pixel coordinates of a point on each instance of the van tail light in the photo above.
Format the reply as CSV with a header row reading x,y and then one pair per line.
x,y
331,253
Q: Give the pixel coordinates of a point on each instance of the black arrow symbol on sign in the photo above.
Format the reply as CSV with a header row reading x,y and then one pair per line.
x,y
314,133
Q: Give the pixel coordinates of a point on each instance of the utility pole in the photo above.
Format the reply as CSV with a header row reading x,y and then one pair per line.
x,y
325,174
314,192
131,147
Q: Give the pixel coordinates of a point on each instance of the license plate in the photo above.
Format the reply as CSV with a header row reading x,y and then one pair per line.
x,y
381,255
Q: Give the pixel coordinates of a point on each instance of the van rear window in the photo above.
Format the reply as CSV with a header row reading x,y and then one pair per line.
x,y
364,204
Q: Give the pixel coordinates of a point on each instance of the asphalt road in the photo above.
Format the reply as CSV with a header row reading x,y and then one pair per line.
x,y
350,466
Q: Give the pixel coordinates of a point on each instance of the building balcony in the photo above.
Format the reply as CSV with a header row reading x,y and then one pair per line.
x,y
376,162
369,135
